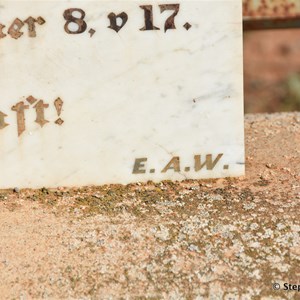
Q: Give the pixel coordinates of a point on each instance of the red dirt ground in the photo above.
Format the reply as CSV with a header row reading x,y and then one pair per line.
x,y
272,68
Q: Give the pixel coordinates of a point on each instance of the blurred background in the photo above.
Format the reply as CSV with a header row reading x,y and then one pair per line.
x,y
272,56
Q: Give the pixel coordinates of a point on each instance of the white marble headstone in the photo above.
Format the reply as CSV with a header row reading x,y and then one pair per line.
x,y
100,92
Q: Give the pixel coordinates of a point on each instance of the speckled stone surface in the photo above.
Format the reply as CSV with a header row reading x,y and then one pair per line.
x,y
216,239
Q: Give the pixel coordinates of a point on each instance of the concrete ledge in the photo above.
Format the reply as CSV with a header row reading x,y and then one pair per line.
x,y
216,239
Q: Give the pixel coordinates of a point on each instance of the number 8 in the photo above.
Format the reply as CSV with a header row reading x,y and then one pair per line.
x,y
71,19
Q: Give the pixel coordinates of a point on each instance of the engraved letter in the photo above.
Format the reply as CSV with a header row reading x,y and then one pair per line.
x,y
2,35
31,25
40,113
174,164
113,21
208,162
2,121
14,29
138,165
19,108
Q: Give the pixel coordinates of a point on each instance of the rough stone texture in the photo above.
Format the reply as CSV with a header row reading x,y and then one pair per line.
x,y
217,239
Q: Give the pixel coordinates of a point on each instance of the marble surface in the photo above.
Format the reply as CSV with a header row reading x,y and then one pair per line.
x,y
120,105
